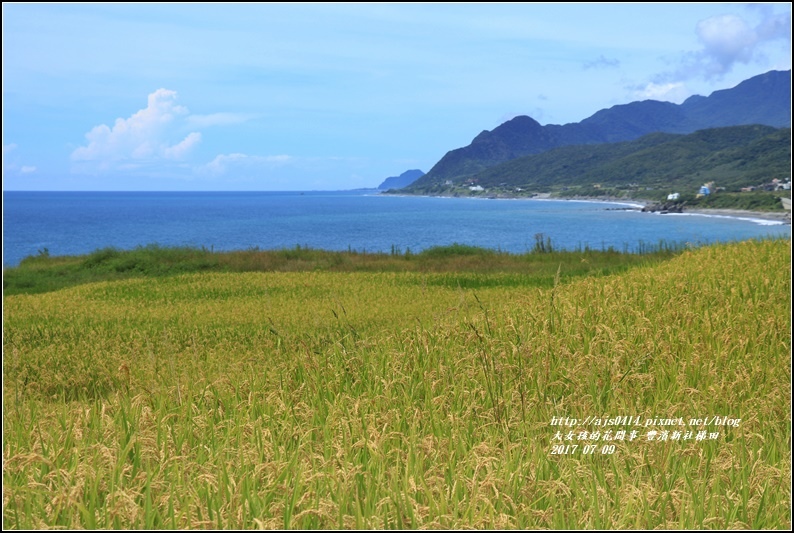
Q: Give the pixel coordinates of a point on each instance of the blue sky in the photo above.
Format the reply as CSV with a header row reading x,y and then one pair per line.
x,y
336,96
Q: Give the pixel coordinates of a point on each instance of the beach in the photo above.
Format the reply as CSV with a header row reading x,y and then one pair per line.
x,y
780,216
776,216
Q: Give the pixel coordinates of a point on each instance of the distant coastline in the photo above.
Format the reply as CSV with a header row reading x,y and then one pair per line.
x,y
782,217
779,216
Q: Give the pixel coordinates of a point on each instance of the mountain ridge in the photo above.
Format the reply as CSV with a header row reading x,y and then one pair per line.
x,y
403,180
733,156
764,99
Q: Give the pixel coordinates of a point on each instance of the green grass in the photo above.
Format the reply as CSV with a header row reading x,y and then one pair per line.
x,y
397,398
43,273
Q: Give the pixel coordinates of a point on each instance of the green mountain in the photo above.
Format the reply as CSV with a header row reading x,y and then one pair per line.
x,y
403,180
764,99
733,157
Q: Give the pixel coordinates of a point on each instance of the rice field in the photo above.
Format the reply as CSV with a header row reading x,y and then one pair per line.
x,y
657,397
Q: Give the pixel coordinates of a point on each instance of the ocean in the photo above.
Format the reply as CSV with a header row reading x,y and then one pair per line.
x,y
70,223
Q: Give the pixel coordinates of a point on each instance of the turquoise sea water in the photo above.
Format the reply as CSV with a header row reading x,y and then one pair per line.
x,y
67,223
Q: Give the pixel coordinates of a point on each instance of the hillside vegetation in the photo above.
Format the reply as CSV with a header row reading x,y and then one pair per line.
x,y
403,399
732,157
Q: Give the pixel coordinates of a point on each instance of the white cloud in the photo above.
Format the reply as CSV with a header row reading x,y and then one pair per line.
x,y
772,26
601,62
666,92
179,151
726,39
151,134
225,163
729,40
12,162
